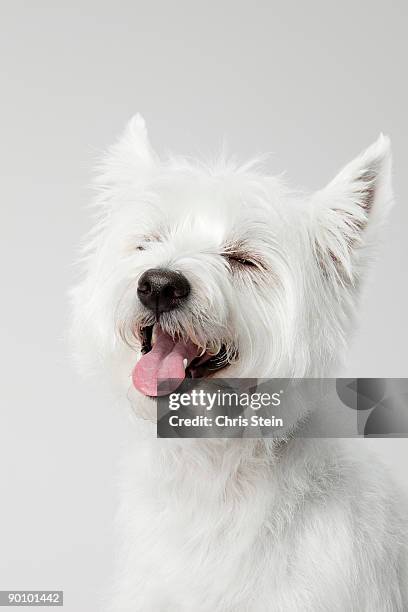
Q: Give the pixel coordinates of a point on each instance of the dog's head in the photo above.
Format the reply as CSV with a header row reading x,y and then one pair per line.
x,y
219,270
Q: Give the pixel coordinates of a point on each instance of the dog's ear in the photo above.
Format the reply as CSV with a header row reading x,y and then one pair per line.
x,y
131,160
347,214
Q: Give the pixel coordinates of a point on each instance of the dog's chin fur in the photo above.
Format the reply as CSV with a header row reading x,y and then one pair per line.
x,y
241,525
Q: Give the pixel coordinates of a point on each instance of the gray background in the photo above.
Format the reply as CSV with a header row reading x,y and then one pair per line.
x,y
312,82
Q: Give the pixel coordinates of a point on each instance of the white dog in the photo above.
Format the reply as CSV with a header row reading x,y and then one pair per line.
x,y
221,271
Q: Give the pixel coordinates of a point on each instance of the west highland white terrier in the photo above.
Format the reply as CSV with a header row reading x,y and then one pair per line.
x,y
219,270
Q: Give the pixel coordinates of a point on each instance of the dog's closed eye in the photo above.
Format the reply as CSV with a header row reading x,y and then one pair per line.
x,y
235,259
242,260
144,242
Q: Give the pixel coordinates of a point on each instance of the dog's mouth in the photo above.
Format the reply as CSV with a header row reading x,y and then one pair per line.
x,y
167,361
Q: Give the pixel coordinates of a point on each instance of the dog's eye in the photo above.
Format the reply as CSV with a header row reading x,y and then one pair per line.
x,y
145,241
240,260
243,261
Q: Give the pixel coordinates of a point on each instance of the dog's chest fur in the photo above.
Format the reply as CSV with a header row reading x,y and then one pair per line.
x,y
231,526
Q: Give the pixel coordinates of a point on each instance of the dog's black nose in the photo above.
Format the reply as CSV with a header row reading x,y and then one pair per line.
x,y
162,290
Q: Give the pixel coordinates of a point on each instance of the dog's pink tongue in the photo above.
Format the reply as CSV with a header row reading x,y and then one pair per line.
x,y
165,362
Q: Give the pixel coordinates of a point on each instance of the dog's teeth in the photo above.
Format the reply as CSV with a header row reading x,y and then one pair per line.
x,y
185,362
154,335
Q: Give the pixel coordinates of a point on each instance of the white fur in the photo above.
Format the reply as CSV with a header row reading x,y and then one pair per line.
x,y
242,525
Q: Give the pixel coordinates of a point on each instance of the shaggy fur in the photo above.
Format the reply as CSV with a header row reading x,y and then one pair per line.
x,y
297,525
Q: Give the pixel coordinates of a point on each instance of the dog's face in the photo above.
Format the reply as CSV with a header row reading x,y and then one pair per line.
x,y
195,271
